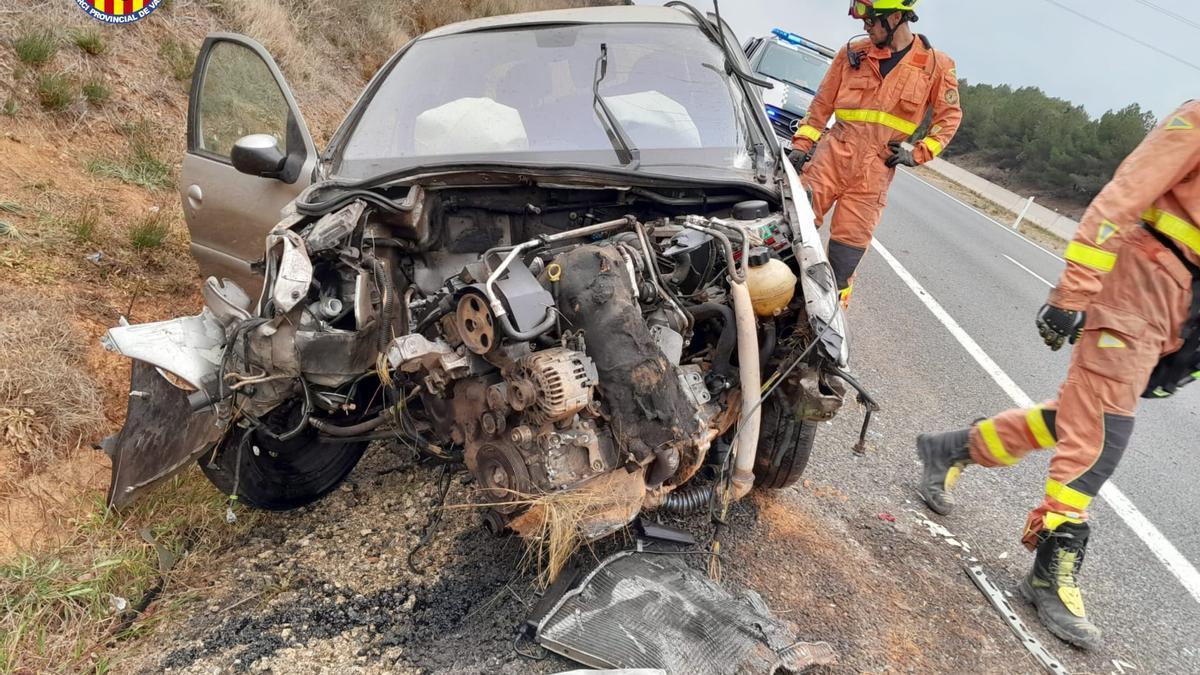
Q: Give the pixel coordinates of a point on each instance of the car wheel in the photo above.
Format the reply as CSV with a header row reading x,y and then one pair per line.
x,y
279,475
784,445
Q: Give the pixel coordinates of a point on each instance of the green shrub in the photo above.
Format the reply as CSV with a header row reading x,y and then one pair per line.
x,y
96,92
150,233
56,91
82,227
90,41
36,47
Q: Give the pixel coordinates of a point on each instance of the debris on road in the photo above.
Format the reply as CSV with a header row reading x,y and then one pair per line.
x,y
938,531
886,516
1027,638
637,610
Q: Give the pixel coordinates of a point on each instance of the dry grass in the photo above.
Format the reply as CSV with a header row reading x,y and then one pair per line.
x,y
552,524
49,403
62,610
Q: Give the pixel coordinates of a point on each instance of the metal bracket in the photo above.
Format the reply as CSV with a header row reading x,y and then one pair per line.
x,y
1031,643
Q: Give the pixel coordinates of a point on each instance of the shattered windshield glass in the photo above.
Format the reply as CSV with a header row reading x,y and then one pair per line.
x,y
525,96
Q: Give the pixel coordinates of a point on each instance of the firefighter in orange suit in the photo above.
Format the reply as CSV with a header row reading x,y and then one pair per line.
x,y
1129,300
880,89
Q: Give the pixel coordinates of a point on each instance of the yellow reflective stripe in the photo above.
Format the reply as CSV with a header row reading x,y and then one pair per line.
x,y
1174,227
987,429
934,146
1053,520
1037,425
877,117
811,133
1066,495
1089,256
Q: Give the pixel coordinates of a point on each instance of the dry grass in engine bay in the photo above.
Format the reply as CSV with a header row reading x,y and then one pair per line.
x,y
551,524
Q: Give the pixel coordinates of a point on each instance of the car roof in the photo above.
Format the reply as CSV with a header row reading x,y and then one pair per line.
x,y
585,15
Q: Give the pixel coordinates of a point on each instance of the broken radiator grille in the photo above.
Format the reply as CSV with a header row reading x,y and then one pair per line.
x,y
653,611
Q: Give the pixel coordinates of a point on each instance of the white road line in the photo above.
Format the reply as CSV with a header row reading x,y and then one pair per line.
x,y
983,215
1158,544
1035,274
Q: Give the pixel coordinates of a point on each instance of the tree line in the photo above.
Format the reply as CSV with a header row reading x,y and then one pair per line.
x,y
1045,142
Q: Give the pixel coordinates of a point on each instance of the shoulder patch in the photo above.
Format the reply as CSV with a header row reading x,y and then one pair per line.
x,y
1179,124
952,96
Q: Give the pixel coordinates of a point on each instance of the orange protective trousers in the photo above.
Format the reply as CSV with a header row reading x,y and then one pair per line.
x,y
848,166
1137,293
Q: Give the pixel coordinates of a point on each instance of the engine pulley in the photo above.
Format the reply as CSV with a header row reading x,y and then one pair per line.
x,y
476,325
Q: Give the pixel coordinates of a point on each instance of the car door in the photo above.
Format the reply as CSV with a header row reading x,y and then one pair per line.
x,y
238,90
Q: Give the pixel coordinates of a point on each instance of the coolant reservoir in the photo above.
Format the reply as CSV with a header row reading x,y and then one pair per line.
x,y
770,281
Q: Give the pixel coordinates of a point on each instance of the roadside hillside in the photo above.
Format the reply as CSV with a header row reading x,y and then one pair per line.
x,y
91,135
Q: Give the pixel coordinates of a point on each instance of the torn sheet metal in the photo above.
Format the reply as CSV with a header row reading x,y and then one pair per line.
x,y
161,435
1027,638
295,272
191,346
639,610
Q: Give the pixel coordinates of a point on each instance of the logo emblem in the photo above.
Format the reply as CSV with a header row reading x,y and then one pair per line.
x,y
794,126
118,11
1110,341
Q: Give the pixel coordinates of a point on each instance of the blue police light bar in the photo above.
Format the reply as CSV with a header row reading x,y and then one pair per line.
x,y
802,42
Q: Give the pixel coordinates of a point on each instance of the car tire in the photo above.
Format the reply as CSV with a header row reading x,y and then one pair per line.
x,y
279,475
784,446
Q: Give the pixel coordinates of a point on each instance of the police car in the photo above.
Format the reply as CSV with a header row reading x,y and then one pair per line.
x,y
796,65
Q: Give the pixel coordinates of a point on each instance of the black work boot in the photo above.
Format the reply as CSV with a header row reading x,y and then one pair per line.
x,y
943,457
1052,587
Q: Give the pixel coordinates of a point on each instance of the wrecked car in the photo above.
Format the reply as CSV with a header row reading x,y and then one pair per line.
x,y
559,248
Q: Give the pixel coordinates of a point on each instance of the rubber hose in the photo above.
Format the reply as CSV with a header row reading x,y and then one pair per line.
x,y
688,500
386,301
352,430
766,349
726,343
666,463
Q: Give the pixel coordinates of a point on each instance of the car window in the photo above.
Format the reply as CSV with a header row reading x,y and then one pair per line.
x,y
525,95
796,67
238,96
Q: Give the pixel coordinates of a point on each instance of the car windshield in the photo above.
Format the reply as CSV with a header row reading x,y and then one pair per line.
x,y
525,96
795,67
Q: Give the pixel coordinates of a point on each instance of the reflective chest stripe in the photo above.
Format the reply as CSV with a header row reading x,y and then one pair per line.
x,y
1174,227
877,117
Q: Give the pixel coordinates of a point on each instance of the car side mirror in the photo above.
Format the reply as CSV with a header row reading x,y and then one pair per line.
x,y
258,155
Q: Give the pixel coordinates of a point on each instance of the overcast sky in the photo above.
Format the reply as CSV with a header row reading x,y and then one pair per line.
x,y
1026,42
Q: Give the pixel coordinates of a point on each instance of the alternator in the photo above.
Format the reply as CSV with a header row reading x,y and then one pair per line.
x,y
561,380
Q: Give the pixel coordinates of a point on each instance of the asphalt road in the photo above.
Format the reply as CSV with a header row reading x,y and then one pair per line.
x,y
986,279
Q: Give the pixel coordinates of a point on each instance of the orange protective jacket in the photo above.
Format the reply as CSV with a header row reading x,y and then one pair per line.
x,y
872,110
1158,184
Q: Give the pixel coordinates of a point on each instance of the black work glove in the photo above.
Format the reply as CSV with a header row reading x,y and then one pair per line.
x,y
900,155
1057,324
799,159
